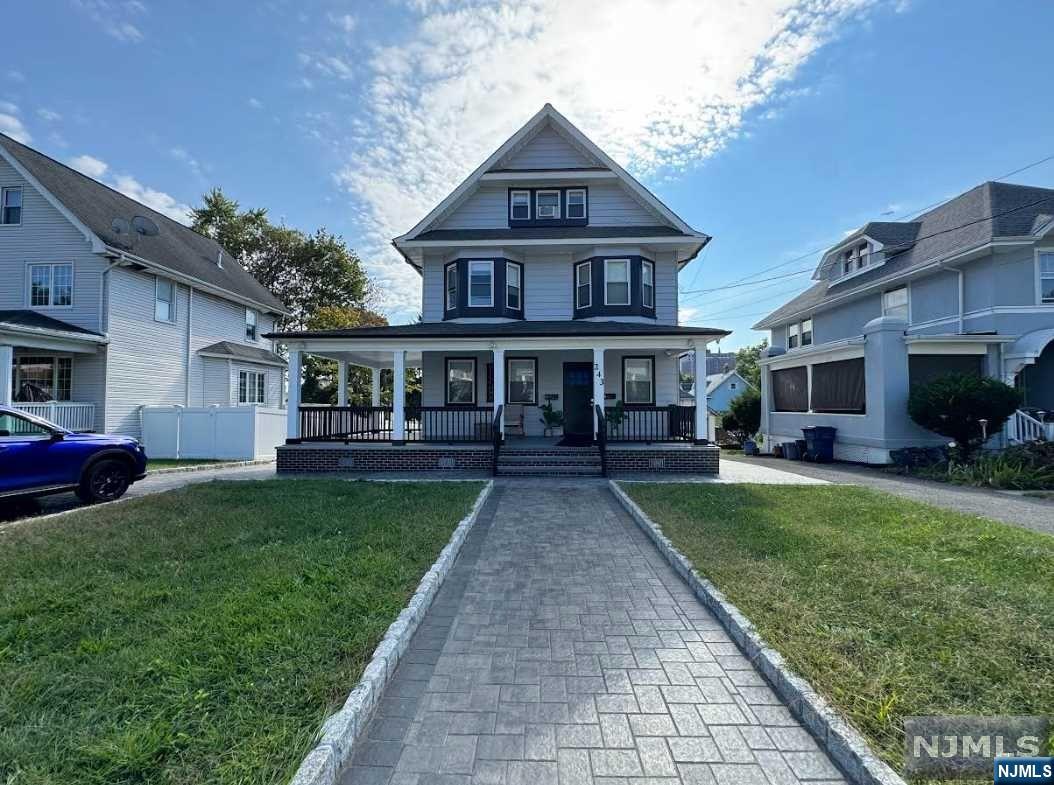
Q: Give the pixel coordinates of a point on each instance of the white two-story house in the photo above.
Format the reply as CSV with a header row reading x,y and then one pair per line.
x,y
966,287
549,279
107,305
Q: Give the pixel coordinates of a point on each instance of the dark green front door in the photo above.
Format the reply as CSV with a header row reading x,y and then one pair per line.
x,y
578,392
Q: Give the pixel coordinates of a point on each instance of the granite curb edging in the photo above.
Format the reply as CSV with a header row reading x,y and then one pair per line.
x,y
842,742
323,764
204,467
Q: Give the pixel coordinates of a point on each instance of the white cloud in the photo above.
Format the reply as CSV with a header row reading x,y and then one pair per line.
x,y
659,86
190,161
8,108
345,22
16,76
255,103
114,17
132,188
12,126
48,115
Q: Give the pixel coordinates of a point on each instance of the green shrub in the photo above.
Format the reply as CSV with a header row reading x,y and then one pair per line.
x,y
745,410
953,406
1026,467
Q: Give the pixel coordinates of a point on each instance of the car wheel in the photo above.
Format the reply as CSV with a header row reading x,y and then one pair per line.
x,y
105,481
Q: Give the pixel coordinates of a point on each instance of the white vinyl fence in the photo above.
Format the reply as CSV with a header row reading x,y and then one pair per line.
x,y
214,432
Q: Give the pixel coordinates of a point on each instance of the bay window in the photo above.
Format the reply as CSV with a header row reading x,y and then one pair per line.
x,y
521,380
583,285
480,283
460,381
51,285
638,380
616,282
1046,277
451,286
647,284
513,286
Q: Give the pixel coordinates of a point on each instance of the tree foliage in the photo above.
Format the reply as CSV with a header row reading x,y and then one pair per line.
x,y
748,362
954,405
743,418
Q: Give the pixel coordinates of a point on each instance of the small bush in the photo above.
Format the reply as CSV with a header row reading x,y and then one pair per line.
x,y
746,411
1026,467
953,406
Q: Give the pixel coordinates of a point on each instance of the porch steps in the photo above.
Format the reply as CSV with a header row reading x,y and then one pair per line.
x,y
553,462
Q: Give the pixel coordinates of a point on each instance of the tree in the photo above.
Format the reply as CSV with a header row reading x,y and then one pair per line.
x,y
954,405
745,411
748,362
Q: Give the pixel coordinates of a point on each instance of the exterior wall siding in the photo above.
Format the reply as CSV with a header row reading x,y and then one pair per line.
x,y
547,150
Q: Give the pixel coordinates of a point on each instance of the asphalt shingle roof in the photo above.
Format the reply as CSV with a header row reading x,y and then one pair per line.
x,y
176,247
39,321
239,351
990,211
503,329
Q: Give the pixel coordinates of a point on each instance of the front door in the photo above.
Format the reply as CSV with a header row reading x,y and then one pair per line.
x,y
578,392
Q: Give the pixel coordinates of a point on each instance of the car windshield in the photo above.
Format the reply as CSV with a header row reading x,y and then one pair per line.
x,y
12,418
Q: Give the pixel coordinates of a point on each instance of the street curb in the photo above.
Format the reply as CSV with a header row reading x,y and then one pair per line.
x,y
324,764
835,735
202,467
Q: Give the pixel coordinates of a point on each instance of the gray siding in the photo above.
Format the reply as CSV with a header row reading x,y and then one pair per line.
x,y
845,321
547,150
935,297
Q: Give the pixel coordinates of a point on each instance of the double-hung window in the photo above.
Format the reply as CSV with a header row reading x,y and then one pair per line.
x,y
895,303
250,324
164,300
806,332
546,205
522,380
793,333
513,286
583,285
638,380
480,283
520,205
44,378
576,203
1046,277
616,282
252,387
11,206
799,334
451,286
51,285
460,381
647,284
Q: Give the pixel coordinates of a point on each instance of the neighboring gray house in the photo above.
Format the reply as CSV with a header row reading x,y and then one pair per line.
x,y
95,323
967,286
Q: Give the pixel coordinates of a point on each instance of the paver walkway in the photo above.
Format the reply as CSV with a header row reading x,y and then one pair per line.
x,y
564,649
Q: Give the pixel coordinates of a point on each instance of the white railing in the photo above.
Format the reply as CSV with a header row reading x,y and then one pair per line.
x,y
1022,427
66,414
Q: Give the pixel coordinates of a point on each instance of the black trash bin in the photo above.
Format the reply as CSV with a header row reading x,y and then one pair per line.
x,y
819,443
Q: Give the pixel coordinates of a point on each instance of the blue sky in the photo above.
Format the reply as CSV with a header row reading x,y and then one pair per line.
x,y
775,126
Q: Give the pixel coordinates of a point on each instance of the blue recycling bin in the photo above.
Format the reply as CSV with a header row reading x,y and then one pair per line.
x,y
819,443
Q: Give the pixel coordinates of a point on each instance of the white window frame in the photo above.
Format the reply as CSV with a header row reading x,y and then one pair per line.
x,y
21,204
1040,276
51,285
645,265
490,266
512,203
588,267
802,331
509,362
447,270
474,364
585,204
651,381
255,325
538,213
794,335
519,285
629,281
259,387
158,280
906,305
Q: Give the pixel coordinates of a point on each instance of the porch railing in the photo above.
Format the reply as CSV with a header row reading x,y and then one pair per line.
x,y
1022,427
374,424
651,424
67,414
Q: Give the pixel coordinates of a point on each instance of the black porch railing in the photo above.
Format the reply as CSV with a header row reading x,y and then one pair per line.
x,y
374,424
449,423
671,423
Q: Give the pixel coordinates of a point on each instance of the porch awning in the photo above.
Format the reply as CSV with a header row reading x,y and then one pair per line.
x,y
236,351
33,329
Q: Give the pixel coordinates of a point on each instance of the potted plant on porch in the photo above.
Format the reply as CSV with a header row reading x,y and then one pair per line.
x,y
552,419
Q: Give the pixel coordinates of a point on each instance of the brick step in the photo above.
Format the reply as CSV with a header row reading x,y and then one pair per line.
x,y
554,452
548,470
530,460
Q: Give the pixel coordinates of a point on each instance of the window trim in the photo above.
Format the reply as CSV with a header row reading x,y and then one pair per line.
x,y
648,265
508,380
519,285
651,359
51,285
1040,252
793,335
588,284
629,280
802,331
559,205
907,301
21,204
260,388
468,297
256,325
55,359
447,268
446,380
171,306
512,199
585,204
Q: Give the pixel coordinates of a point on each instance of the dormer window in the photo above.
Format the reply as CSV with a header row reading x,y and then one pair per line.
x,y
576,203
520,205
547,205
854,259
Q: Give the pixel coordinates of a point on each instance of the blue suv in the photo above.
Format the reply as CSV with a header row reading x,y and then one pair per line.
x,y
38,457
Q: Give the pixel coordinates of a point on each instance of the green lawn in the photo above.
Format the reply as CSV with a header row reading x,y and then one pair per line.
x,y
202,635
888,607
153,464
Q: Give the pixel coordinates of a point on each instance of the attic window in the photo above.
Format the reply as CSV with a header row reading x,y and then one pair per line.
x,y
11,206
854,259
547,204
576,203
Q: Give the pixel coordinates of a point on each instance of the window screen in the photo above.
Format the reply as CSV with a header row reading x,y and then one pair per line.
x,y
790,390
839,387
924,368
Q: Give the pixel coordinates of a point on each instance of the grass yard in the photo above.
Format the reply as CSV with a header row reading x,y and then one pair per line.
x,y
203,634
153,464
889,608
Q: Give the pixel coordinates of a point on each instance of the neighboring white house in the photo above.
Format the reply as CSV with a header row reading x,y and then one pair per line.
x,y
107,305
967,287
548,276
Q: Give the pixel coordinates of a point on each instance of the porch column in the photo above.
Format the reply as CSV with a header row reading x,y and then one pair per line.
x,y
598,384
7,371
375,386
702,401
399,398
499,384
342,383
292,412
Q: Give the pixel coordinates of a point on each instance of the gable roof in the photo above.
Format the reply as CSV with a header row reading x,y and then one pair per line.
x,y
177,248
984,214
547,117
715,380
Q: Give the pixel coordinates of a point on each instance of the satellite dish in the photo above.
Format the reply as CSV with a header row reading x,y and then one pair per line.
x,y
120,226
144,226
